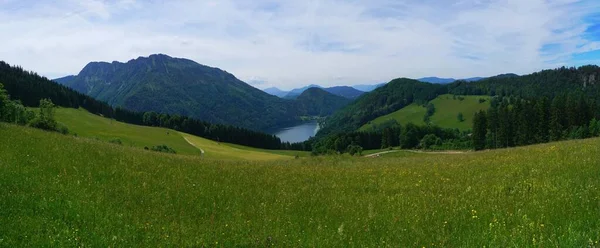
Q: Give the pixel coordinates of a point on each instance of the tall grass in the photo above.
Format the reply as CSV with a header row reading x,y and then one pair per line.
x,y
64,191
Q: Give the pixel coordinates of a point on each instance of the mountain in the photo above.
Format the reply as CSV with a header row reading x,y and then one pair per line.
x,y
180,86
293,94
318,102
367,87
276,92
345,91
65,80
437,80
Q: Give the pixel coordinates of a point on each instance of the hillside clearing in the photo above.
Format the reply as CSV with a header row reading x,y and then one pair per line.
x,y
447,108
85,124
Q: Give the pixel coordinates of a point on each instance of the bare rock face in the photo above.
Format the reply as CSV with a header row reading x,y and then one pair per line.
x,y
589,80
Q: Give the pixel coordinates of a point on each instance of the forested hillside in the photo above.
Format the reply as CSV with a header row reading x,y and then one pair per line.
x,y
29,88
318,102
550,105
548,83
384,100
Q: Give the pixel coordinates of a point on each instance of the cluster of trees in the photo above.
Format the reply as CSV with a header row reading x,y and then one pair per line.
x,y
31,88
12,111
409,136
514,121
430,111
217,132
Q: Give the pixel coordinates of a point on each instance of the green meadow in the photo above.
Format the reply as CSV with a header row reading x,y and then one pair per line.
x,y
60,190
85,124
447,108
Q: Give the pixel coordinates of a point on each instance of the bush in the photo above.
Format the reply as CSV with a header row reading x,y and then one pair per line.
x,y
163,148
45,119
355,150
430,140
116,141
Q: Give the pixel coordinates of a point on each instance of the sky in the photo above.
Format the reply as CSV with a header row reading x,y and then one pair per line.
x,y
292,43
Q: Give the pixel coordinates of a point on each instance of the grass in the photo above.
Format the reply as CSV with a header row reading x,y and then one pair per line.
x,y
446,112
65,191
217,150
85,124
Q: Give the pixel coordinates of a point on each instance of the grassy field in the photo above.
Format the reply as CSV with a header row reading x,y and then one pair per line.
x,y
217,150
66,191
85,124
446,112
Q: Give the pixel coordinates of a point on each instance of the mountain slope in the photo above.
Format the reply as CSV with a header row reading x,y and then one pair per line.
x,y
446,112
318,102
293,94
384,100
180,86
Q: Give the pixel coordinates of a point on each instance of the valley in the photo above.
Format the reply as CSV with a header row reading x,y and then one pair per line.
x,y
326,123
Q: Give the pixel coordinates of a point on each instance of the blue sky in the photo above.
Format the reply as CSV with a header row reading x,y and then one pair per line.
x,y
299,42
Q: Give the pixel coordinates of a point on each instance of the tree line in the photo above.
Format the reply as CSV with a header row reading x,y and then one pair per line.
x,y
514,121
29,88
392,134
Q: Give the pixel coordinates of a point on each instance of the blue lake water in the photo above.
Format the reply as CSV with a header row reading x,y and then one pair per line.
x,y
297,133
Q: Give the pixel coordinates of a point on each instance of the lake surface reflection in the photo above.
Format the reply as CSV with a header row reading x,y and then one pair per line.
x,y
297,133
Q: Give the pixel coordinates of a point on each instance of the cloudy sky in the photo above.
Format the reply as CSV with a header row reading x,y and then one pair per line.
x,y
299,42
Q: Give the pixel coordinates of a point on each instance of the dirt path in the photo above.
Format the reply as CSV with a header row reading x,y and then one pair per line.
x,y
413,151
188,141
379,153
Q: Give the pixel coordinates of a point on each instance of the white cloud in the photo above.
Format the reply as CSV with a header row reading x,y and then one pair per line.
x,y
294,43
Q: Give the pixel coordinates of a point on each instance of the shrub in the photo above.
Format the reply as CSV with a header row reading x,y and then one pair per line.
x,y
163,148
115,141
355,150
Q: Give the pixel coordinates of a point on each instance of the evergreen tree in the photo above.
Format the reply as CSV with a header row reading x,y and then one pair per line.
x,y
460,117
479,130
557,118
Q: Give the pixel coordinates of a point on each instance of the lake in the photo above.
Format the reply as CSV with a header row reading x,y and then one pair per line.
x,y
297,133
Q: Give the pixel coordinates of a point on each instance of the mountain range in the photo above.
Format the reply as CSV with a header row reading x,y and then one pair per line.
x,y
343,91
164,84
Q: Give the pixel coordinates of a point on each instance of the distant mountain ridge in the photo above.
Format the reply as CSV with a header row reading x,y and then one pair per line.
x,y
164,84
437,80
368,87
343,91
275,91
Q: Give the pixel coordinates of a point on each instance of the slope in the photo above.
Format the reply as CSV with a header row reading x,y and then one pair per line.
x,y
447,108
85,124
65,191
